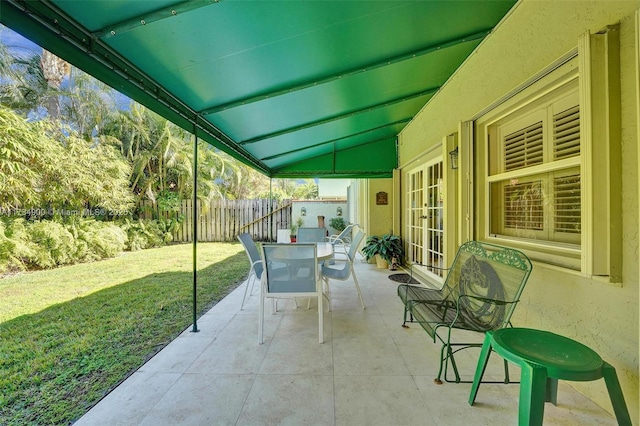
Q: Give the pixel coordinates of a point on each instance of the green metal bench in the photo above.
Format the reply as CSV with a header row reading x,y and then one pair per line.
x,y
480,293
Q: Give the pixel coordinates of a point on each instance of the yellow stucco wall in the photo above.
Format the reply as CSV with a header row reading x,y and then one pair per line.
x,y
534,35
380,217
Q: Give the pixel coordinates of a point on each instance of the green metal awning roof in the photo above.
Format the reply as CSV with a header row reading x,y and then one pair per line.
x,y
292,88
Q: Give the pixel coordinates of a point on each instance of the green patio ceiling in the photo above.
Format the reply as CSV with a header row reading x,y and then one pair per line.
x,y
292,88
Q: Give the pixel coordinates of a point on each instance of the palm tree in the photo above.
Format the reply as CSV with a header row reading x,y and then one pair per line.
x,y
161,155
54,70
23,87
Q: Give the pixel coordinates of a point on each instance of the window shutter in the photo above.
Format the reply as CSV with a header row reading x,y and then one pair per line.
x,y
523,148
567,204
566,133
524,207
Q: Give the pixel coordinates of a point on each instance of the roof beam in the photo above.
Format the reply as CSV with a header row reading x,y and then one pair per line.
x,y
340,116
293,151
389,61
153,16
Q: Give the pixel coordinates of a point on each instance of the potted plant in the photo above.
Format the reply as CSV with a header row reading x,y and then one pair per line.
x,y
338,223
294,229
387,250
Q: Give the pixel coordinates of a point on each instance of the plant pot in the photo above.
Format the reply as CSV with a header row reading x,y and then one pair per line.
x,y
394,264
381,263
293,238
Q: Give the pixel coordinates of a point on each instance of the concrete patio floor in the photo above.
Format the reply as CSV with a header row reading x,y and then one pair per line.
x,y
369,371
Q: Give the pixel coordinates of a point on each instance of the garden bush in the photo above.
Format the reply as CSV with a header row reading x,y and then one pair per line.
x,y
99,240
144,234
44,244
54,244
16,249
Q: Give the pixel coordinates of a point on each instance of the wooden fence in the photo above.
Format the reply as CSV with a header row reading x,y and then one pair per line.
x,y
223,220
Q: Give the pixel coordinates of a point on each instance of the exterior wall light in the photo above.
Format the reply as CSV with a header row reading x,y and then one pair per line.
x,y
303,211
453,155
339,211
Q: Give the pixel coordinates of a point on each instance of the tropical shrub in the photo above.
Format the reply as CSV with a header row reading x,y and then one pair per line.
x,y
17,251
142,234
54,245
43,244
99,240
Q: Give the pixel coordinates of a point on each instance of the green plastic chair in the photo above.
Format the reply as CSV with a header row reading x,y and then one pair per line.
x,y
544,358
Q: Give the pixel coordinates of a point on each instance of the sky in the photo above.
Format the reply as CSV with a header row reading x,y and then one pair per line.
x,y
14,40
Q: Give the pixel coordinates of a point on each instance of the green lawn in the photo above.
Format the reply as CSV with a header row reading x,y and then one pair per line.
x,y
69,335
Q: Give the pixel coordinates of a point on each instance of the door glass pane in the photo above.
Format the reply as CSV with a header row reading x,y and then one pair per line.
x,y
435,220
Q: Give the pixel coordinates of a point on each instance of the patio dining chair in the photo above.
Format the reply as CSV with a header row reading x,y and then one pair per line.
x,y
255,273
342,237
342,240
301,280
311,235
347,271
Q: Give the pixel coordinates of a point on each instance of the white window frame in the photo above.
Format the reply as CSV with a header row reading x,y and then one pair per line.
x,y
544,171
526,102
595,65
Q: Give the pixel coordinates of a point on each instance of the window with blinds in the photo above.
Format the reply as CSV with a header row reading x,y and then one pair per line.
x,y
567,204
534,163
566,133
523,148
524,206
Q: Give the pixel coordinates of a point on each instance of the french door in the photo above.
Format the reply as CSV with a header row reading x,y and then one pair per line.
x,y
425,218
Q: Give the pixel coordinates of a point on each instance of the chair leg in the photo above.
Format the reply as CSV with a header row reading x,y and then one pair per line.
x,y
532,394
261,320
253,285
551,391
327,294
483,360
320,317
615,394
443,363
355,280
507,379
249,281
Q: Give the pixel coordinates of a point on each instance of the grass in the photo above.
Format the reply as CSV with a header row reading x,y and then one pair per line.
x,y
70,335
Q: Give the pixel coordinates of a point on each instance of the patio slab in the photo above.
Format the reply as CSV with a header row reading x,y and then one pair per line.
x,y
369,371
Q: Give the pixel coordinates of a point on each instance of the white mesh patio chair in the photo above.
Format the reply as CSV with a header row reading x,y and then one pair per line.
x,y
311,235
347,271
255,273
301,280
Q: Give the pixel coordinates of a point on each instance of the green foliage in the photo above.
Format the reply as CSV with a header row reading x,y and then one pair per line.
x,y
283,189
44,244
338,223
54,244
168,201
143,234
295,225
23,86
387,246
15,247
99,240
44,166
